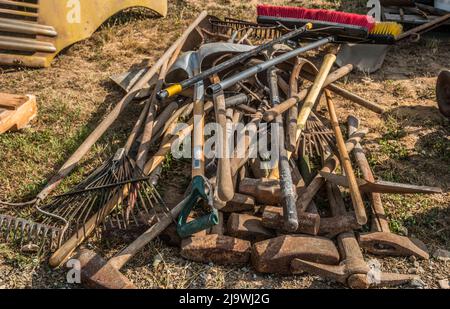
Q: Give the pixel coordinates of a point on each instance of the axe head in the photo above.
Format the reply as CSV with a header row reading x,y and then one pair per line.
x,y
96,273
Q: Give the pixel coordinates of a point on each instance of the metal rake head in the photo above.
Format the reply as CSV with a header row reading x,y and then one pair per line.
x,y
317,139
24,232
117,181
258,31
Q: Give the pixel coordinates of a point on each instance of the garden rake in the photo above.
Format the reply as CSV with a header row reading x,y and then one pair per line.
x,y
67,212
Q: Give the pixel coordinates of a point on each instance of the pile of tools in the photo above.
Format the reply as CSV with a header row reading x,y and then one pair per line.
x,y
277,187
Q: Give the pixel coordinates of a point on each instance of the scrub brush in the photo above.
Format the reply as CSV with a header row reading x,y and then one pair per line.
x,y
385,32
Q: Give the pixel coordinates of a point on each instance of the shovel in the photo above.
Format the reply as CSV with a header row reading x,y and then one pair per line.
x,y
201,190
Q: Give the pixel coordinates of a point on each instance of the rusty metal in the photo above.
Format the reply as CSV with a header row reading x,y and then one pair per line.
x,y
35,31
218,249
380,240
259,31
275,255
25,232
248,227
443,92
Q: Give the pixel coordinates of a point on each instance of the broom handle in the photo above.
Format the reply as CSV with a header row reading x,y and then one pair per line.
x,y
314,93
358,203
112,116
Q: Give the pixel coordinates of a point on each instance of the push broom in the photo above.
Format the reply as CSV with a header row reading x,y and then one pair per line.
x,y
347,27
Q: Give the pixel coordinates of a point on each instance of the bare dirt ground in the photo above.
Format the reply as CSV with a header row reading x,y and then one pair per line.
x,y
410,143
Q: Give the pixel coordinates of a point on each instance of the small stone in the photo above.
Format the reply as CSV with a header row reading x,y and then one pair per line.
x,y
417,283
442,255
413,271
443,284
2,287
30,249
416,264
157,260
412,258
402,230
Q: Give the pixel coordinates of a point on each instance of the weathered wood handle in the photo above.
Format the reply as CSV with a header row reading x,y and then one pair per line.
x,y
112,116
379,221
75,240
357,201
314,93
270,114
225,189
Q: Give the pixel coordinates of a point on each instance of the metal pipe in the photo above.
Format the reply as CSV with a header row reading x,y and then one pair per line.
x,y
25,45
225,84
26,29
177,88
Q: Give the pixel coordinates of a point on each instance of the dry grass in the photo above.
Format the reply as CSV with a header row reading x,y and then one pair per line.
x,y
410,144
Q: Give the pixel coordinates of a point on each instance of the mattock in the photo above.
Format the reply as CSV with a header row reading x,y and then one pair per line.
x,y
380,240
353,270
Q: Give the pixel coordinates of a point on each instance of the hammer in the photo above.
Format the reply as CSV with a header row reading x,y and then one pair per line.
x,y
380,240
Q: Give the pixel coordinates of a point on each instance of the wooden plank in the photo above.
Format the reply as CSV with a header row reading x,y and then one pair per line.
x,y
12,120
12,101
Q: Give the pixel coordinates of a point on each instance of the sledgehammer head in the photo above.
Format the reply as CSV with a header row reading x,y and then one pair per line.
x,y
96,273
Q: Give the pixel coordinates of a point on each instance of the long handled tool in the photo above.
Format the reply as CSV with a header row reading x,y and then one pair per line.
x,y
201,190
179,87
358,203
91,223
314,93
288,194
225,84
225,190
353,270
110,118
380,240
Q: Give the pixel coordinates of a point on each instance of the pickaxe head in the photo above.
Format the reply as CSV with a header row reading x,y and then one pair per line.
x,y
390,244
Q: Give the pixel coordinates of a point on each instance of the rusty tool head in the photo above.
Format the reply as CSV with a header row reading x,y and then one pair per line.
x,y
390,244
443,92
98,274
275,255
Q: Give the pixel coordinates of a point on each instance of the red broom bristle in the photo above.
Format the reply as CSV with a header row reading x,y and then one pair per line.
x,y
364,21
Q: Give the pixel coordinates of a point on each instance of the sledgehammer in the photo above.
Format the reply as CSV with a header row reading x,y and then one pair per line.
x,y
97,273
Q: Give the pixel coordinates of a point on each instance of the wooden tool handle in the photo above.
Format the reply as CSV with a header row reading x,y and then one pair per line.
x,y
144,147
69,246
198,141
308,193
379,221
76,239
121,258
271,113
225,189
314,93
358,203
